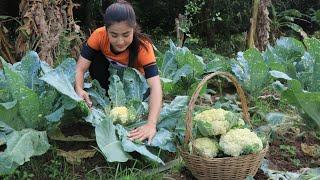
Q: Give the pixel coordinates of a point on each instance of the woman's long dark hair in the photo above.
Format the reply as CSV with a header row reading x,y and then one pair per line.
x,y
123,11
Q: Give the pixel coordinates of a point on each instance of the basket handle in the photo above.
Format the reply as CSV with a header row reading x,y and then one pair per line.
x,y
188,135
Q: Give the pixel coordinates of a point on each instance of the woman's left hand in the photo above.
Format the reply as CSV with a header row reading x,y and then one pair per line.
x,y
143,132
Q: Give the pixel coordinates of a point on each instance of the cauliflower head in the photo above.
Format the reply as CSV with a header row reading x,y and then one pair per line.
x,y
205,147
121,115
215,121
240,142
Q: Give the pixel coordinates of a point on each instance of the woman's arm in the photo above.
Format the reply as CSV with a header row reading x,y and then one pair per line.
x,y
82,66
155,100
148,130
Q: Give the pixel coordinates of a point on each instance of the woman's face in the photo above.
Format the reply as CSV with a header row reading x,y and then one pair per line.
x,y
120,36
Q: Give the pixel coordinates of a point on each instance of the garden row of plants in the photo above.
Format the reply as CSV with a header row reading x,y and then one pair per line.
x,y
36,99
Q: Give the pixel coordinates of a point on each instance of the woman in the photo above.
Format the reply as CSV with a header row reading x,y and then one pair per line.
x,y
120,42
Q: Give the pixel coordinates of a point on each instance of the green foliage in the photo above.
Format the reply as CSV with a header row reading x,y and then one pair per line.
x,y
116,92
129,83
252,71
312,65
315,16
21,145
287,60
68,42
291,150
307,102
286,19
109,143
179,68
306,74
55,87
84,109
28,100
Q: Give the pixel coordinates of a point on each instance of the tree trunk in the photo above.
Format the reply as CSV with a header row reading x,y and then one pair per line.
x,y
263,25
253,21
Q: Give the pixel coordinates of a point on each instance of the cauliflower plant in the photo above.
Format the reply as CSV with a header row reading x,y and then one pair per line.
x,y
205,147
121,115
215,121
239,142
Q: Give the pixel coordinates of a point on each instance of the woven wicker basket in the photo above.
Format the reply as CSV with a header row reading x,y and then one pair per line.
x,y
220,168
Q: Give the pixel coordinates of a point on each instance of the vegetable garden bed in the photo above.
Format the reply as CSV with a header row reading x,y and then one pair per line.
x,y
34,105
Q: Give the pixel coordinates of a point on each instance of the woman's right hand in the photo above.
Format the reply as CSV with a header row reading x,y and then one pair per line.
x,y
85,96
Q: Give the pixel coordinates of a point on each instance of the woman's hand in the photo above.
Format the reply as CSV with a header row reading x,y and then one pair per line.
x,y
148,130
82,66
85,96
143,132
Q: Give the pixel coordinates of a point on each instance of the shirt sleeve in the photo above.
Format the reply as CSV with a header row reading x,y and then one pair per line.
x,y
92,46
88,52
147,60
146,55
151,71
95,39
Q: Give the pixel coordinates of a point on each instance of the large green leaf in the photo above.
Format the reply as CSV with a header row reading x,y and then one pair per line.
x,y
284,54
10,116
4,92
98,95
45,67
168,65
62,79
29,68
130,146
108,142
28,100
173,111
258,70
21,145
307,102
188,58
47,100
313,47
96,116
56,115
172,116
251,70
116,92
288,49
272,60
218,63
184,71
135,85
305,71
164,140
179,68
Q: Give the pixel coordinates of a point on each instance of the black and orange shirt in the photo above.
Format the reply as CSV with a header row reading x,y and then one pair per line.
x,y
99,41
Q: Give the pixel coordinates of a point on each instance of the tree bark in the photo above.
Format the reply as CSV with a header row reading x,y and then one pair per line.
x,y
253,21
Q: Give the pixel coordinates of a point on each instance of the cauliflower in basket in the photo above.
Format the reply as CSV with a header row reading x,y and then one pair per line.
x,y
205,147
240,142
215,121
121,115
